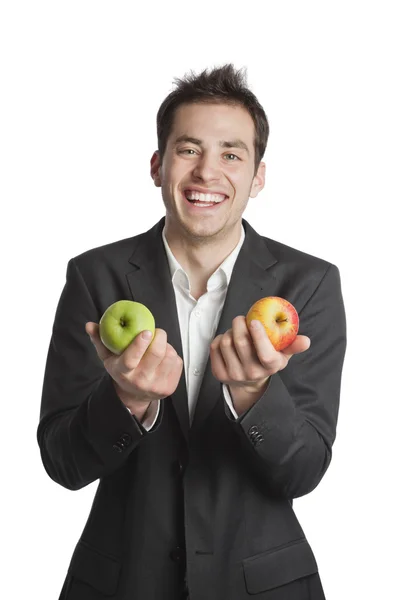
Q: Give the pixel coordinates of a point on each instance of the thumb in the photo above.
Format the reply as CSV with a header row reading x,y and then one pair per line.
x,y
300,344
92,329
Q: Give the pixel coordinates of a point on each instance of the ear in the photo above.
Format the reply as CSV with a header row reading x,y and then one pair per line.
x,y
155,167
258,181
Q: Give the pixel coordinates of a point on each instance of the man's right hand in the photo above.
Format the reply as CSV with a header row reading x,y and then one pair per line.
x,y
144,371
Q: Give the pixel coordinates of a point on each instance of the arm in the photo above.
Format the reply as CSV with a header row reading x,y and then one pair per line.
x,y
85,431
288,433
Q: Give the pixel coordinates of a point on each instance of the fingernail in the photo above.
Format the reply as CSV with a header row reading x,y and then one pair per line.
x,y
147,335
255,324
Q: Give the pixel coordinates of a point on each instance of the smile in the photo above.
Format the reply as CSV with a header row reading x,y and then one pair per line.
x,y
204,200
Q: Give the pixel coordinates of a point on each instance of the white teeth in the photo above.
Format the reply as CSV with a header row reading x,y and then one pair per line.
x,y
213,198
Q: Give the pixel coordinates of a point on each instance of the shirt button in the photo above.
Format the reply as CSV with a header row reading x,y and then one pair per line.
x,y
196,372
177,555
178,468
197,313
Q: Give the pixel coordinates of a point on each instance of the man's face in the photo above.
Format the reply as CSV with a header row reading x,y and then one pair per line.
x,y
210,150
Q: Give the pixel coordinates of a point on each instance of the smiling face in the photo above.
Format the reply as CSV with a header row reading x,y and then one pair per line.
x,y
207,173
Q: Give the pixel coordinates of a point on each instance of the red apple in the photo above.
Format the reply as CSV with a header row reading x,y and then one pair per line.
x,y
279,318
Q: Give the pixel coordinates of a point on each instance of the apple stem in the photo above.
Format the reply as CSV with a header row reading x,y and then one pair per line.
x,y
122,322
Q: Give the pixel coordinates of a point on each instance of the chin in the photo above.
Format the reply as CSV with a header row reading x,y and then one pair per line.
x,y
194,229
200,231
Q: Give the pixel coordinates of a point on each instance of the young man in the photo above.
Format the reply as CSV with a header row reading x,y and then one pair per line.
x,y
201,439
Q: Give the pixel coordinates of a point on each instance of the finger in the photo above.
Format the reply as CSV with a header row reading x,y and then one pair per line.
x,y
246,350
232,361
168,372
92,329
267,355
218,366
243,341
144,351
300,344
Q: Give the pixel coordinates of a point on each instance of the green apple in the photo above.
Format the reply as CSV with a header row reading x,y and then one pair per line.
x,y
122,322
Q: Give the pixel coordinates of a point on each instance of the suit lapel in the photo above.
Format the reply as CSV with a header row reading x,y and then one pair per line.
x,y
150,283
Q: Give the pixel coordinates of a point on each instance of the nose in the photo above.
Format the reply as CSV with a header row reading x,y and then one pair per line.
x,y
206,169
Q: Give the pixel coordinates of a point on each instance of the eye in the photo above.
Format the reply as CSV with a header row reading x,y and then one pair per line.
x,y
234,156
186,150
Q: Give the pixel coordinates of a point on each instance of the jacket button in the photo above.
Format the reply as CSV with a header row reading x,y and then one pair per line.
x,y
253,430
126,439
177,555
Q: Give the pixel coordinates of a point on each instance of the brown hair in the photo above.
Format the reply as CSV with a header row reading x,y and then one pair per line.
x,y
224,85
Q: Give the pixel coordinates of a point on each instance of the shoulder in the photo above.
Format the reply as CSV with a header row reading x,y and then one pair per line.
x,y
107,252
296,272
283,256
290,255
113,257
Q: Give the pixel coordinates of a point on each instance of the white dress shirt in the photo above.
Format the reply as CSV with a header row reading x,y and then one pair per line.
x,y
198,321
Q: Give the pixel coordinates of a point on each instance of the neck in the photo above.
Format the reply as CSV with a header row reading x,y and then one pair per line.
x,y
200,258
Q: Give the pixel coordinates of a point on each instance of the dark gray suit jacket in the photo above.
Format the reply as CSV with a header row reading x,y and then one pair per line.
x,y
214,499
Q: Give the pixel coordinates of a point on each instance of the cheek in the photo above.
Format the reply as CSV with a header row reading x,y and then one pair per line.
x,y
175,171
241,182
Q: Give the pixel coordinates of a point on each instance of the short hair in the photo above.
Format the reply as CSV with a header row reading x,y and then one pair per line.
x,y
221,85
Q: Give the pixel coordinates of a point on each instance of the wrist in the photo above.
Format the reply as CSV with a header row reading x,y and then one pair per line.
x,y
140,413
243,397
136,407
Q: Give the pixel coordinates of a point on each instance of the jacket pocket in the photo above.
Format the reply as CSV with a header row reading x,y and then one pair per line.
x,y
278,567
98,570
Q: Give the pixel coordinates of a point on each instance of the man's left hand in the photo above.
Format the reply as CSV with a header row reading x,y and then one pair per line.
x,y
244,358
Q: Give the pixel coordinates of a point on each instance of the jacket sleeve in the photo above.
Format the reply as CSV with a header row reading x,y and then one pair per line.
x,y
287,435
84,431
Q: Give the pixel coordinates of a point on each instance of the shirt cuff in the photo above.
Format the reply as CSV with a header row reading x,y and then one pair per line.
x,y
228,400
151,414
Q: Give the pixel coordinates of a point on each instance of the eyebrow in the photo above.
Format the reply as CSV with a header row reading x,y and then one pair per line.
x,y
224,144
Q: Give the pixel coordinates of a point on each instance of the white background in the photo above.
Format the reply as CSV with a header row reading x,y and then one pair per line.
x,y
81,83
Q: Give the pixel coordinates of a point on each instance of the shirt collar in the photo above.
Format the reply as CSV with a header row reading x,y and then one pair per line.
x,y
220,277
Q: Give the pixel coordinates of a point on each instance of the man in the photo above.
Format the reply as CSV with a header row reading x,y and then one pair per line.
x,y
201,439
